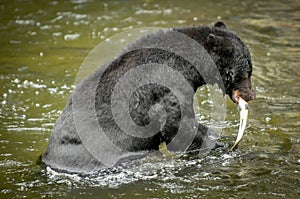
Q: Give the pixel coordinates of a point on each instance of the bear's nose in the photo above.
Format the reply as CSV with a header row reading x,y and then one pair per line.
x,y
252,95
247,95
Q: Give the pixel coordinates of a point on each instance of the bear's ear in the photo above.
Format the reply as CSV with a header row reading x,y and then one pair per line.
x,y
220,24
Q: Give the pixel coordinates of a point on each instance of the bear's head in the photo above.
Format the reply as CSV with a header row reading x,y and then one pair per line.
x,y
233,60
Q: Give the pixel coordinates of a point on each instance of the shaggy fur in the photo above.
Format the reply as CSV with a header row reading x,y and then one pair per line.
x,y
232,58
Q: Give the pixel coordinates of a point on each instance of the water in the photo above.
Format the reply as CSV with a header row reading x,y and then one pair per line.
x,y
43,43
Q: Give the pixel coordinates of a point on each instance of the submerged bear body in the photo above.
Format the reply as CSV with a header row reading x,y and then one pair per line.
x,y
156,111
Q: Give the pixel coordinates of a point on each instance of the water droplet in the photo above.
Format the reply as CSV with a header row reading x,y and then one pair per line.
x,y
17,81
71,36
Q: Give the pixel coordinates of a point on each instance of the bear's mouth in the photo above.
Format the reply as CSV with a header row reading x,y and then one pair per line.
x,y
245,94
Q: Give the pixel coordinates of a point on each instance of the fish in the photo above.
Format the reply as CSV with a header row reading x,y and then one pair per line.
x,y
244,108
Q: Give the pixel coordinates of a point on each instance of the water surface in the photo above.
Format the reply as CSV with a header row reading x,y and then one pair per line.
x,y
43,44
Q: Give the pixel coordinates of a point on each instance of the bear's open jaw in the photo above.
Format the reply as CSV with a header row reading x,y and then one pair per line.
x,y
246,95
236,96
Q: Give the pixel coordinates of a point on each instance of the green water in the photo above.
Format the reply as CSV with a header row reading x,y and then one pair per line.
x,y
42,45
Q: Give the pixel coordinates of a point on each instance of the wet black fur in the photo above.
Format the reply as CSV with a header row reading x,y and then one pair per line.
x,y
66,151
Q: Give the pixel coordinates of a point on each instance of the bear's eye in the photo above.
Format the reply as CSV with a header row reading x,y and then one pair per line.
x,y
229,76
229,73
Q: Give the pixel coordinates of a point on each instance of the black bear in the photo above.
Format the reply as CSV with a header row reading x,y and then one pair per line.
x,y
144,98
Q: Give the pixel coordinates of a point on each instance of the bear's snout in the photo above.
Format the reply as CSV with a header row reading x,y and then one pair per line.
x,y
245,94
